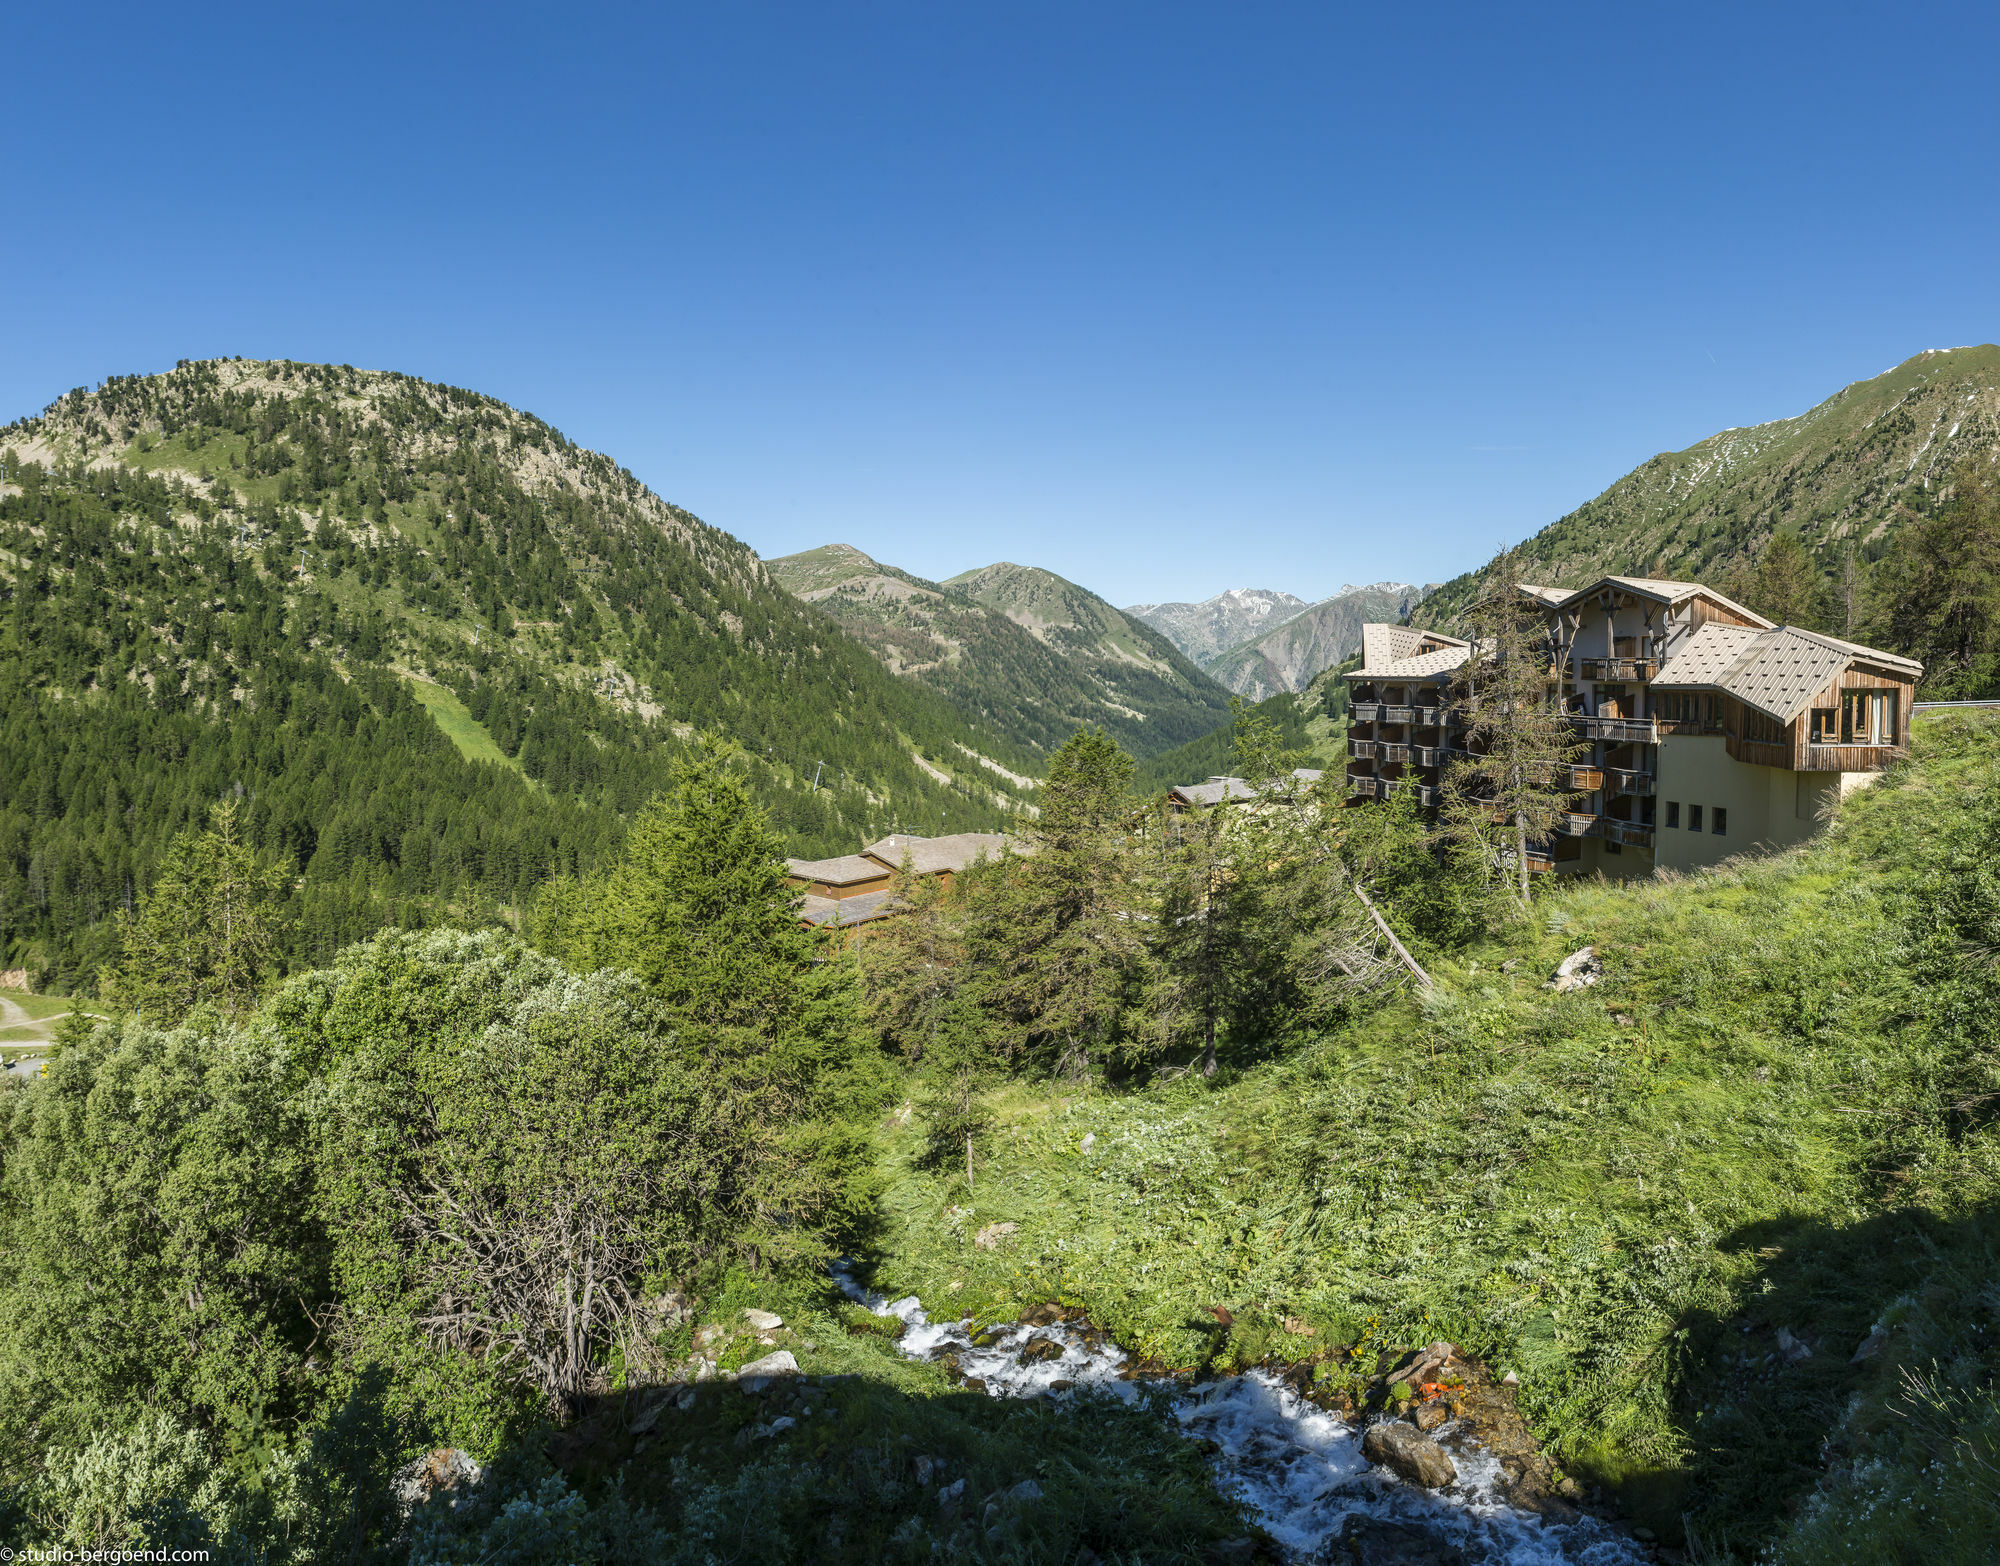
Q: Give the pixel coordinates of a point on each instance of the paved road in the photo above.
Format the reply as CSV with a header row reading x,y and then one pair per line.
x,y
16,1016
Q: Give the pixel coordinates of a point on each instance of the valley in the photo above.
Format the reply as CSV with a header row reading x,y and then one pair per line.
x,y
403,816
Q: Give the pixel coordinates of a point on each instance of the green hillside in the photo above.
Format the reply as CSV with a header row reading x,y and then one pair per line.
x,y
439,649
1842,476
1142,676
1034,684
1312,721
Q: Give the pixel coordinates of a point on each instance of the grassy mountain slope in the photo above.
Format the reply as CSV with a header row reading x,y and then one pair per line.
x,y
1772,1115
998,672
1312,721
1142,677
1207,630
1289,656
231,577
1845,473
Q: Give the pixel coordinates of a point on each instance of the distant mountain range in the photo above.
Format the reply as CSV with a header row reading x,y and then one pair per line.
x,y
1015,648
1280,643
1207,630
1845,474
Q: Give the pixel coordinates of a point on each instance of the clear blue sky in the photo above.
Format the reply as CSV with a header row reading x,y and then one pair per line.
x,y
1167,298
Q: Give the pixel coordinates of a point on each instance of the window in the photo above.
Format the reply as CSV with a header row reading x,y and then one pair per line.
x,y
1694,818
1762,730
1673,813
1824,730
1867,717
1721,822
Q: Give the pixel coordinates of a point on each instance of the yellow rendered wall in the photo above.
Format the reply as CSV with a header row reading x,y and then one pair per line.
x,y
1769,807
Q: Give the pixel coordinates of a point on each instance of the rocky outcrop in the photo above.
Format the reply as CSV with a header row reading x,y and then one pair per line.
x,y
1408,1453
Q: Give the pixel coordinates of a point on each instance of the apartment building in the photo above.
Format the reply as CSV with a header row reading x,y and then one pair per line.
x,y
1709,729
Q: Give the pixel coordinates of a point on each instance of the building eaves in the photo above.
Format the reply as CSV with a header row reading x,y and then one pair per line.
x,y
844,870
843,911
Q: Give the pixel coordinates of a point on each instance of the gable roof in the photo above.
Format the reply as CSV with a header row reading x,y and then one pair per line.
x,y
937,855
843,870
1777,671
1392,652
1547,595
1657,588
1216,790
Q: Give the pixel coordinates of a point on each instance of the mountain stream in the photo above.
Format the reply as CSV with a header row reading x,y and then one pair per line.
x,y
1297,1470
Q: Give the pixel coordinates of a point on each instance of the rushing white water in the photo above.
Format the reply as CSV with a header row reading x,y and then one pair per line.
x,y
1296,1468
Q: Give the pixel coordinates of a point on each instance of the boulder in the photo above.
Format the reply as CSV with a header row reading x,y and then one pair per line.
x,y
1577,971
764,1320
1873,1344
1035,1350
950,1495
1429,1416
759,1373
444,1469
924,1467
1401,1449
1026,1490
1793,1348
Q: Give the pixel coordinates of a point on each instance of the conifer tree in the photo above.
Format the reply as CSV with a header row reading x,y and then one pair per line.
x,y
913,966
1944,589
697,906
209,929
1786,588
1056,937
1513,788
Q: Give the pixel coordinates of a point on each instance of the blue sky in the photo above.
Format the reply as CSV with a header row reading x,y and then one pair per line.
x,y
1166,298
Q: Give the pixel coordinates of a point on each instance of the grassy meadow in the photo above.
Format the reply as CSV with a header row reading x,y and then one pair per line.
x,y
1767,1116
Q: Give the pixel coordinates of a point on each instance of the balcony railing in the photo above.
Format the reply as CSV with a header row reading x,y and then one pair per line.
x,y
1365,787
1617,668
1619,731
1393,753
1427,794
1429,717
1621,781
1361,750
1428,755
1633,834
1392,714
1365,712
1578,823
1583,779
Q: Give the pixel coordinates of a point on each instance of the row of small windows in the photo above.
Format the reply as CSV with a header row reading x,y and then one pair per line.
x,y
1719,816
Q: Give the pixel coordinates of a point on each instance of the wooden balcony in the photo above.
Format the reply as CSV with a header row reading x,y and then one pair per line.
x,y
1394,715
1427,793
1853,758
1428,755
1636,784
1365,712
1618,731
1361,749
1633,834
1393,753
1578,823
1617,668
1582,779
1429,717
1362,787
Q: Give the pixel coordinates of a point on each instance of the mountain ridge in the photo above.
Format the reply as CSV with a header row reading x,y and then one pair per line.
x,y
1845,474
1013,646
296,582
1205,631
